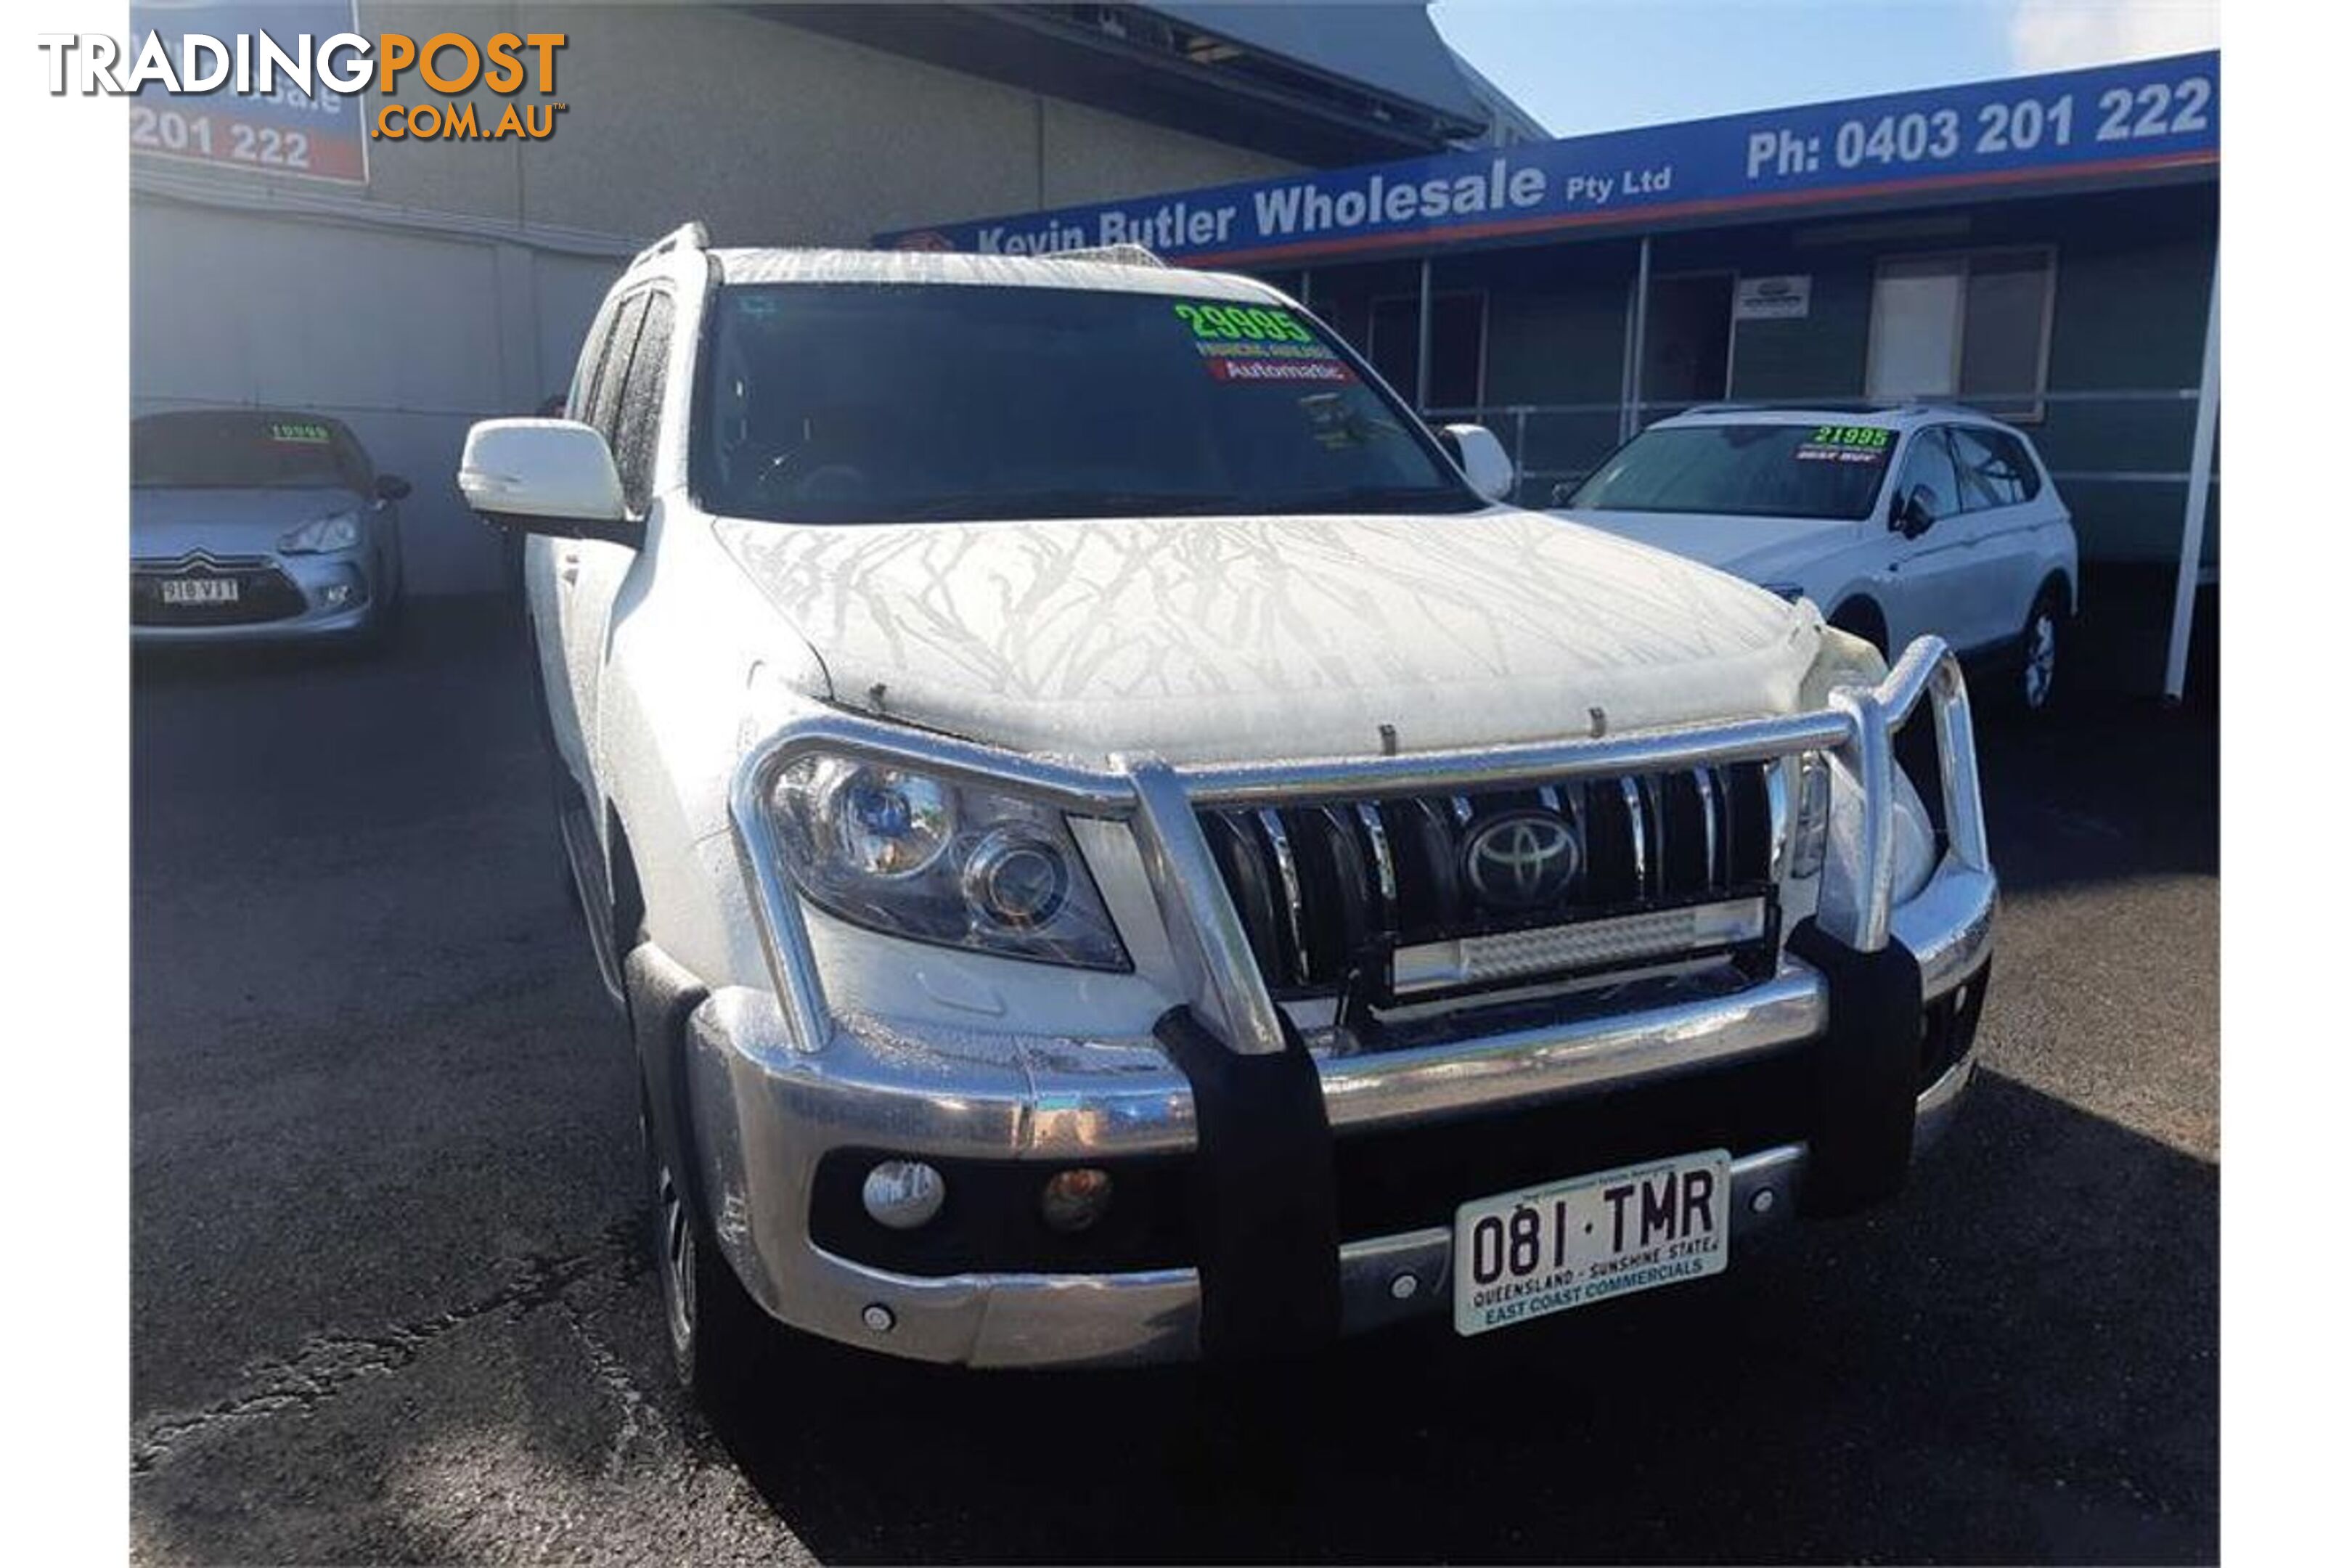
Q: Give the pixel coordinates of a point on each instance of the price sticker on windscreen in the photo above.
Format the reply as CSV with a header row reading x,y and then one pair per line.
x,y
1845,444
1254,344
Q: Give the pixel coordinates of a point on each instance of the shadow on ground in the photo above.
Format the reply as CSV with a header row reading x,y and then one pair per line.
x,y
2018,1362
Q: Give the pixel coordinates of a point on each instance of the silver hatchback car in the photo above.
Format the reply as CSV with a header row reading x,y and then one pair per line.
x,y
251,525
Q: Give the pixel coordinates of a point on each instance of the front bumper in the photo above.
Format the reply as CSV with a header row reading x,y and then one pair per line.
x,y
775,1085
323,597
767,1114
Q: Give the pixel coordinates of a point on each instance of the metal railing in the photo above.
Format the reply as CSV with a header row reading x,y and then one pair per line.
x,y
1218,972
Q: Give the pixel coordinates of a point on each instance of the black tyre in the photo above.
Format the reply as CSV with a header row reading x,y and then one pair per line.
x,y
373,638
720,1342
1861,618
381,632
2037,677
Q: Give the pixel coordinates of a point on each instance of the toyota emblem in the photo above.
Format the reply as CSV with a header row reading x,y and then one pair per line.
x,y
1520,861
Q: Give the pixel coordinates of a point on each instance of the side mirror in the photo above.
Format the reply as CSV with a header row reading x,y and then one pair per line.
x,y
1915,512
1481,458
545,476
391,487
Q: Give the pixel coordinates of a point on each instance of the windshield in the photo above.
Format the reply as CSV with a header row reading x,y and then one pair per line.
x,y
1827,471
240,449
851,403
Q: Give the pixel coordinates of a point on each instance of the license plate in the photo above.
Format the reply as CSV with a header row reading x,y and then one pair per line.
x,y
198,590
1569,1243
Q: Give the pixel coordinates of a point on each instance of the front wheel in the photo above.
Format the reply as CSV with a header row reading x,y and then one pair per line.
x,y
2037,681
719,1340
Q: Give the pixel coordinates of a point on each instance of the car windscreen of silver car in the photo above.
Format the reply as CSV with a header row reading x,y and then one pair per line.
x,y
243,449
851,403
1827,471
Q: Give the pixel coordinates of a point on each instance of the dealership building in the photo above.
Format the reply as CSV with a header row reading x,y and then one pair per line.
x,y
2042,247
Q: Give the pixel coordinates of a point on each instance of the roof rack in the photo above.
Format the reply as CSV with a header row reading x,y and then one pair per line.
x,y
690,235
1820,406
1126,253
1948,405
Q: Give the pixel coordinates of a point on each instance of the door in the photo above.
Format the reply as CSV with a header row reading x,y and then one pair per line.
x,y
1686,342
626,407
579,627
2001,489
551,567
1932,583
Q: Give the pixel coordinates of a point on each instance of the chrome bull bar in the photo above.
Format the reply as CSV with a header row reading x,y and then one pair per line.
x,y
1159,803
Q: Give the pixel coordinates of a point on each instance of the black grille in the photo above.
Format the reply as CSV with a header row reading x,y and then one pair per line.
x,y
1327,892
1399,1178
264,593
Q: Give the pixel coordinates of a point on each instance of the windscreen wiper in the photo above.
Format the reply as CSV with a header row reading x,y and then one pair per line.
x,y
984,507
1371,498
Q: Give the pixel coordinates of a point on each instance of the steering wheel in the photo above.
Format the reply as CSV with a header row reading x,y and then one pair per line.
x,y
832,482
825,482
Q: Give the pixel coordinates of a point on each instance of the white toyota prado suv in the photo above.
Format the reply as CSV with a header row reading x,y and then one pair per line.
x,y
1114,847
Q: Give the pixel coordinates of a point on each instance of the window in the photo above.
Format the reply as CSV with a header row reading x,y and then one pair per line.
x,y
1742,470
604,391
1994,468
641,400
1973,326
1929,466
857,403
1457,347
246,449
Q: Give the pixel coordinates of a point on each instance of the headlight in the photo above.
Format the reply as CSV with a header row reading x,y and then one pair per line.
x,y
336,530
901,852
1915,845
885,823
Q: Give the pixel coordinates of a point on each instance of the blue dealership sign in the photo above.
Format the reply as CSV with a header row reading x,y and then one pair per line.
x,y
2111,121
321,134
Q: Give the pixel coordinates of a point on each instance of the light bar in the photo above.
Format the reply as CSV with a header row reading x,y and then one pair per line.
x,y
1590,945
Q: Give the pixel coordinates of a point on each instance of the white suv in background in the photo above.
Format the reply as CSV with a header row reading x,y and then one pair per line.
x,y
1897,522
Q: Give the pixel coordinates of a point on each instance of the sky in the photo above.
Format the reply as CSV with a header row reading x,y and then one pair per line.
x,y
1583,66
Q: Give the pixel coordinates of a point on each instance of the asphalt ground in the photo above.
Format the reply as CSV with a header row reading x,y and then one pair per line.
x,y
389,1300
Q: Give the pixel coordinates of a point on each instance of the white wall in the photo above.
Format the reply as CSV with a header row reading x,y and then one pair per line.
x,y
407,338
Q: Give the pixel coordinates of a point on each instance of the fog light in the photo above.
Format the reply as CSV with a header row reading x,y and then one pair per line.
x,y
1074,1200
337,595
904,1193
